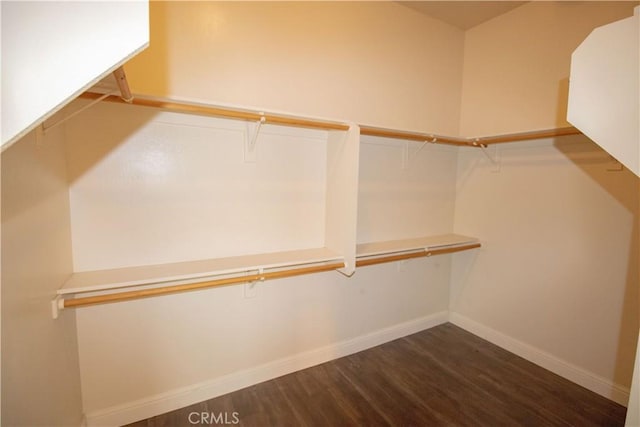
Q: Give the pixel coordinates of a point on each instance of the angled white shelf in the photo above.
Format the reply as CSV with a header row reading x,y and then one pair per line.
x,y
192,271
604,91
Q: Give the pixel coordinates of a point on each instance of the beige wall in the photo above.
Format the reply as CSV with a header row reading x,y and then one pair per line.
x,y
402,203
376,63
557,279
558,270
516,66
166,187
40,373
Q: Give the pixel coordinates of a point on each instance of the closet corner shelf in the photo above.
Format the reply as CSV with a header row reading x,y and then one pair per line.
x,y
396,250
189,272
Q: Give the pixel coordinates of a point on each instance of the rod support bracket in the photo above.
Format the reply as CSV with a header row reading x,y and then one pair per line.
x,y
251,137
57,305
614,165
407,155
251,286
494,158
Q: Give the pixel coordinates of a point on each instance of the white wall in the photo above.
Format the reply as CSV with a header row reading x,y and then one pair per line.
x,y
189,188
40,370
558,270
146,357
529,297
396,202
516,66
375,63
54,50
149,188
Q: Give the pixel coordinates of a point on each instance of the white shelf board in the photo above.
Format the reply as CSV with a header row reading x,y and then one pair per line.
x,y
407,245
191,271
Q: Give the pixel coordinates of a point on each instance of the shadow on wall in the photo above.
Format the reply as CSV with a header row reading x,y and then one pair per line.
x,y
110,132
155,57
563,103
108,126
624,186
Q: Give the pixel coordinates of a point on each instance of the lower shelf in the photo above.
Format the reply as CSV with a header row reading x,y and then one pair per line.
x,y
119,296
397,250
193,271
122,284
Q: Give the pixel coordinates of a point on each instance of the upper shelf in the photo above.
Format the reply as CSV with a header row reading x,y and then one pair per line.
x,y
213,111
287,120
481,141
191,271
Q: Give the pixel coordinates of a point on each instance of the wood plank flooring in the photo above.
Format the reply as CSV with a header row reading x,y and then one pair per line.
x,y
443,376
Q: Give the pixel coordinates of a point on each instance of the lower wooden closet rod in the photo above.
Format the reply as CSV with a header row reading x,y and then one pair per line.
x,y
399,257
143,293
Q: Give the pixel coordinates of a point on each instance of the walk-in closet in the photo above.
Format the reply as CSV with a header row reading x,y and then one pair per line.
x,y
199,197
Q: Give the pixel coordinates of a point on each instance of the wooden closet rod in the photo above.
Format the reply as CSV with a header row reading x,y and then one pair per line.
x,y
143,293
524,136
399,257
411,136
192,108
468,142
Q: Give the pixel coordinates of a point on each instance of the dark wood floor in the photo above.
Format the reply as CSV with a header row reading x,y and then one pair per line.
x,y
444,376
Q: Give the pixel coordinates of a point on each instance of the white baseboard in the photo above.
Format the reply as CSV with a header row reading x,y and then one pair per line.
x,y
573,373
179,398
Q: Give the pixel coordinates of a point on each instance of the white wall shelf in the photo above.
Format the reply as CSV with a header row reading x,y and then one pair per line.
x,y
404,249
192,271
408,245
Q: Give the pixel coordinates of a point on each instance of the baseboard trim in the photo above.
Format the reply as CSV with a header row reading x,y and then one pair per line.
x,y
179,398
573,373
